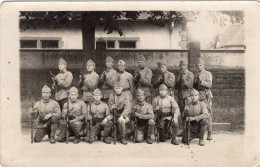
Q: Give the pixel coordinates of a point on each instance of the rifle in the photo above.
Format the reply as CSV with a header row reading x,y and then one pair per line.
x,y
114,126
89,127
208,104
137,81
188,127
135,127
56,88
170,122
157,136
31,124
67,119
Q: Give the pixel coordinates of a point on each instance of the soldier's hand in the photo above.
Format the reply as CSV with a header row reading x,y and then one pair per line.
x,y
137,76
161,80
157,108
137,114
31,111
190,119
175,120
104,122
113,106
46,117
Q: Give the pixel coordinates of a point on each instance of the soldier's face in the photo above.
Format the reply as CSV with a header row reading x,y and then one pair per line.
x,y
163,92
118,90
163,68
62,66
90,67
200,67
141,64
121,68
109,64
73,96
141,97
46,95
97,97
195,98
183,67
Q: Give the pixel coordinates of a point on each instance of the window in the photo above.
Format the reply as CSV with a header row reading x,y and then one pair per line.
x,y
127,44
28,43
50,43
110,44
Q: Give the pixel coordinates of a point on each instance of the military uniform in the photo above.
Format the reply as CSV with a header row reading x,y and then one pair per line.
x,y
89,84
198,110
168,114
127,82
77,114
64,79
142,79
49,126
144,116
203,83
107,80
121,103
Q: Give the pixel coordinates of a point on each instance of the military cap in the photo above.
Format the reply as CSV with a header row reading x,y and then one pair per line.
x,y
140,91
97,91
163,87
118,84
200,61
121,62
45,88
73,90
62,61
160,64
109,59
141,58
182,62
194,92
90,62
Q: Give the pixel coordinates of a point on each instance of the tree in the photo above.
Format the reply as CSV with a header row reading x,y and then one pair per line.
x,y
111,21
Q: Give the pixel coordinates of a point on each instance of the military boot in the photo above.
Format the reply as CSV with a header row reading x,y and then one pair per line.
x,y
123,141
209,136
76,140
201,142
106,140
52,140
174,141
149,140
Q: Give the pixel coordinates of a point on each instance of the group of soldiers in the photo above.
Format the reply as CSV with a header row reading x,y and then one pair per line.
x,y
117,98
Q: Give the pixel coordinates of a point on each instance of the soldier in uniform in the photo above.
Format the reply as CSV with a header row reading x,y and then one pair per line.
x,y
143,77
166,78
119,105
77,114
203,83
63,79
197,114
184,84
100,116
144,116
126,80
168,112
49,114
107,79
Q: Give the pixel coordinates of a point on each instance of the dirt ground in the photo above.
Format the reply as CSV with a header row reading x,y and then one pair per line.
x,y
223,150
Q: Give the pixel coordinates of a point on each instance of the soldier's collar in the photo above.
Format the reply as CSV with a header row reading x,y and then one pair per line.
x,y
194,102
45,101
163,97
97,102
202,71
121,72
141,103
184,72
73,101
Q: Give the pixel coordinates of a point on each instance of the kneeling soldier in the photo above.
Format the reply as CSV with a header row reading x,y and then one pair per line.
x,y
144,115
76,116
49,113
119,104
197,115
168,112
101,117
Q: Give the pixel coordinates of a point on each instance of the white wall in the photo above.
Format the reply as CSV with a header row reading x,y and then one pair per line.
x,y
150,37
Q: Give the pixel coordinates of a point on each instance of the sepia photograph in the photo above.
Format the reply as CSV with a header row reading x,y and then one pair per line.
x,y
118,85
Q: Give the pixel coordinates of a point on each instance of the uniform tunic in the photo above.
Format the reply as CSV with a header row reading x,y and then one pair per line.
x,y
64,80
145,80
89,84
127,82
108,84
122,103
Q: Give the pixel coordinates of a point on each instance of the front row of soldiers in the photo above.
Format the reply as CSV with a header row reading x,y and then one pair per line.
x,y
89,120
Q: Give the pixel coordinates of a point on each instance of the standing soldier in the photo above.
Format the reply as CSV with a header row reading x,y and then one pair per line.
x,y
184,84
107,79
166,78
197,114
89,82
203,83
143,77
49,113
77,114
63,80
144,115
168,112
101,117
119,105
126,80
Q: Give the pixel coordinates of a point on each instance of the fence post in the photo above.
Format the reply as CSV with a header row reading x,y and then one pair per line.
x,y
101,53
193,55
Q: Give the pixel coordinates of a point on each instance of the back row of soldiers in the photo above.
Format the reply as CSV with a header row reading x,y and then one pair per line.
x,y
118,89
